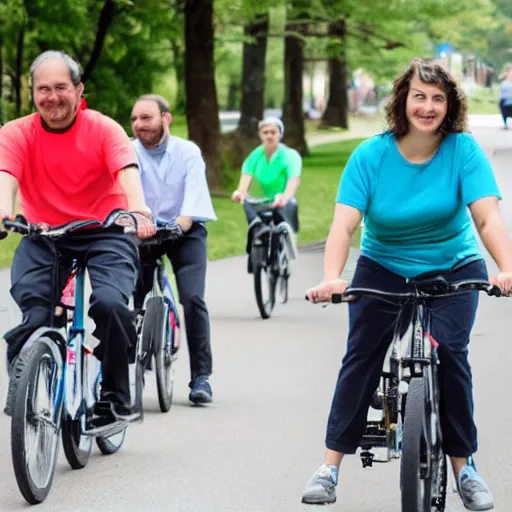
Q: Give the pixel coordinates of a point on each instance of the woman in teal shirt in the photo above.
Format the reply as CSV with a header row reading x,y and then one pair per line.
x,y
413,186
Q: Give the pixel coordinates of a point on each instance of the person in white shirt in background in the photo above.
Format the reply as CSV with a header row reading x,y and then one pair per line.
x,y
173,175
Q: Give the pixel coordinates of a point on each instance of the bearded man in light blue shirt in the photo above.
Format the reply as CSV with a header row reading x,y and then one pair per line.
x,y
173,175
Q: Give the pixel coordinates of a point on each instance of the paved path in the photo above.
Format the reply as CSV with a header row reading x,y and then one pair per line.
x,y
255,448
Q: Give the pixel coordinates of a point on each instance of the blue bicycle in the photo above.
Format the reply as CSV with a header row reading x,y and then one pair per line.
x,y
158,322
55,393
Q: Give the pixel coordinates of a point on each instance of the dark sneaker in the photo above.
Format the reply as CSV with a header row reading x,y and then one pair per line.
x,y
473,490
201,392
321,489
106,414
14,371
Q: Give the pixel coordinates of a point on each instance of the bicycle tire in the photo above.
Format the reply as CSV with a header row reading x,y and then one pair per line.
x,y
265,307
413,451
163,361
112,444
23,414
76,455
77,447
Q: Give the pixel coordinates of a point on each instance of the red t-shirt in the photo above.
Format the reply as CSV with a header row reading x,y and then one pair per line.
x,y
67,176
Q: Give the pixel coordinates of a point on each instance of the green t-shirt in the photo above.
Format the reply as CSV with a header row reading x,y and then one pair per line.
x,y
273,175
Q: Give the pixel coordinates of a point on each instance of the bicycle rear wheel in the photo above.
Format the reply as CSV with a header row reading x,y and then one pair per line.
x,y
112,444
77,447
264,289
36,420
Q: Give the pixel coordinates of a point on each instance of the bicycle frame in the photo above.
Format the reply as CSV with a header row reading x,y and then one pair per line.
x,y
75,366
411,353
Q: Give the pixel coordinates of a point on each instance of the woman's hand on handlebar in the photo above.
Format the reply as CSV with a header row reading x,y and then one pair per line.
x,y
503,281
326,289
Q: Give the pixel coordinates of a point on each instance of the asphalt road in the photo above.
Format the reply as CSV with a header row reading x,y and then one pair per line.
x,y
256,446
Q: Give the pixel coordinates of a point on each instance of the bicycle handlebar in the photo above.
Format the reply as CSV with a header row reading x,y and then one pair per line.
x,y
120,218
448,290
418,294
170,231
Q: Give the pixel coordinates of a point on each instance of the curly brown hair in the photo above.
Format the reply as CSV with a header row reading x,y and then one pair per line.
x,y
456,120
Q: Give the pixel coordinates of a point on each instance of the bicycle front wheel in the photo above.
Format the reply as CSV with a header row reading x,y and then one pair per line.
x,y
416,464
161,334
36,420
264,290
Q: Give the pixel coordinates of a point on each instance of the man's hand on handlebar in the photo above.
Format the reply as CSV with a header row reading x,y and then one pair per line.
x,y
4,216
326,289
145,225
238,196
280,201
503,281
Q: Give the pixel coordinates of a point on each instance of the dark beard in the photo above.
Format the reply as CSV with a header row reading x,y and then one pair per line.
x,y
155,140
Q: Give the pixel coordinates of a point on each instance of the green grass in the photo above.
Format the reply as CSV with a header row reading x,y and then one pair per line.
x,y
316,196
7,248
484,101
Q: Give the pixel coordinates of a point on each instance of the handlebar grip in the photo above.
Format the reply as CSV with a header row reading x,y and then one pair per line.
x,y
337,298
494,291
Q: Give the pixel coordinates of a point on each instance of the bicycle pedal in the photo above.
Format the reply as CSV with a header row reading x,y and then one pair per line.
x,y
367,459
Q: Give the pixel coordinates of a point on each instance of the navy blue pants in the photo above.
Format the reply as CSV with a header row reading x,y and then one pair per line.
x,y
371,328
189,259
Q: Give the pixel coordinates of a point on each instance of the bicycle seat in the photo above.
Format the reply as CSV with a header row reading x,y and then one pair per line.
x,y
429,284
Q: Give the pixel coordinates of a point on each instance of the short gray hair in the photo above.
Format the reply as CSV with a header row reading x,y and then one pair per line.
x,y
162,103
73,66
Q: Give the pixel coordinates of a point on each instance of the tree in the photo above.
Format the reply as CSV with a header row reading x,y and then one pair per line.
x,y
336,111
293,105
202,107
253,76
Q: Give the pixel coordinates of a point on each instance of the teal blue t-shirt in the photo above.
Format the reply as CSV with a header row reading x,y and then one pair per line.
x,y
415,215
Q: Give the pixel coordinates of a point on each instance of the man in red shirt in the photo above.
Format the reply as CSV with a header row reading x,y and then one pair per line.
x,y
69,164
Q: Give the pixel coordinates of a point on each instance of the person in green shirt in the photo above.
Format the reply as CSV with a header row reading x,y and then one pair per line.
x,y
275,170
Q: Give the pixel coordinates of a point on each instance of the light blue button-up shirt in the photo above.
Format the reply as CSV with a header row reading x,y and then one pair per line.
x,y
174,180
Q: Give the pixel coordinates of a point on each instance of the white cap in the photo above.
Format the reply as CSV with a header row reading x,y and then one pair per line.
x,y
274,121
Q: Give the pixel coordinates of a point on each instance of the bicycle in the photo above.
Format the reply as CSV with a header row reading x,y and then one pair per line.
x,y
158,323
270,253
54,394
408,395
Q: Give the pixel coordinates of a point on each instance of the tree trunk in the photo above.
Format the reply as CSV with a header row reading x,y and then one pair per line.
x,y
105,20
202,107
179,70
293,108
253,77
20,44
232,94
336,112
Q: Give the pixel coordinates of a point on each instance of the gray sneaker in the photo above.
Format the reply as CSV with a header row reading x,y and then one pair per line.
x,y
473,490
321,489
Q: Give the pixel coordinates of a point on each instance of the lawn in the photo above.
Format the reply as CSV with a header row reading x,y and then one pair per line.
x,y
316,195
484,101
